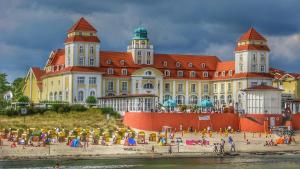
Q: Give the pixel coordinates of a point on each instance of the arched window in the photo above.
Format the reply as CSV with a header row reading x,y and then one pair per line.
x,y
215,99
205,97
165,63
148,86
80,96
229,99
205,74
180,99
109,61
202,65
51,96
192,74
122,62
193,99
92,93
222,99
178,64
167,97
167,73
60,96
148,73
55,95
190,65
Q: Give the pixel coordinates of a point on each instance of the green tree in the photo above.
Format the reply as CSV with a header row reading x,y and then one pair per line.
x,y
24,99
91,100
17,88
4,85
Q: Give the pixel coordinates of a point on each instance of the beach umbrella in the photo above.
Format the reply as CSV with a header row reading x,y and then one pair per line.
x,y
170,103
205,103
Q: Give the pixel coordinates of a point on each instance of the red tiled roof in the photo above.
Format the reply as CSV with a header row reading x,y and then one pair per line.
x,y
57,58
252,47
82,25
262,87
38,73
251,34
79,38
75,69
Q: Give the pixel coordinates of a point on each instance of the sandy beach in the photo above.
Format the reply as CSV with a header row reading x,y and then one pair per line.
x,y
61,150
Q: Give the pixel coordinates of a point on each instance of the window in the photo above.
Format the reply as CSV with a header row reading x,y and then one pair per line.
x,y
229,99
215,88
124,71
223,73
253,68
192,74
80,49
229,87
193,99
91,50
180,87
139,59
80,96
178,64
215,99
216,74
122,62
167,73
180,99
222,99
81,61
148,86
262,68
180,73
137,85
241,58
148,60
51,96
253,84
92,80
80,80
148,53
230,72
241,67
205,88
167,97
203,65
205,74
263,83
109,61
139,53
165,63
124,86
148,73
240,85
110,71
254,58
167,87
263,59
92,61
110,86
92,93
190,65
222,87
193,88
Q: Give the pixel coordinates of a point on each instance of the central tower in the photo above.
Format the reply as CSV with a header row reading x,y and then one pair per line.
x,y
140,48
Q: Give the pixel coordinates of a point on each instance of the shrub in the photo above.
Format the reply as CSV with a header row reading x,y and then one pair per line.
x,y
91,100
24,99
11,112
110,111
78,107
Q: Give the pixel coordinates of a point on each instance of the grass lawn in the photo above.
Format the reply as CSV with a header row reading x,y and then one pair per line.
x,y
90,118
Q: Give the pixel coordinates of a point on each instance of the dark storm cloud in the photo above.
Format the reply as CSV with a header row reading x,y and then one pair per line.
x,y
31,29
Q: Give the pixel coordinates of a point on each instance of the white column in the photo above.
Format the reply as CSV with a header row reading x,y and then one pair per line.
x,y
174,90
118,88
161,91
133,88
186,92
99,80
199,91
140,86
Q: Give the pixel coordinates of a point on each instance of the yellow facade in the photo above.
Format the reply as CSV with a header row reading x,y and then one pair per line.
x,y
31,89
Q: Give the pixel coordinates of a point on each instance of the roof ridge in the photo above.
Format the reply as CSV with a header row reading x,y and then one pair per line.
x,y
83,25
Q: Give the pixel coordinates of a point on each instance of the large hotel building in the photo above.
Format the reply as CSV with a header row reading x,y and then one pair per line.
x,y
81,69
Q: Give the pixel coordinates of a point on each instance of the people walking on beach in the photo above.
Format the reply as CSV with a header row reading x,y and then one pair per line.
x,y
232,147
170,149
152,148
215,147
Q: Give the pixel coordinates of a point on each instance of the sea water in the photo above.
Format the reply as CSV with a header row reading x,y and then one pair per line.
x,y
250,162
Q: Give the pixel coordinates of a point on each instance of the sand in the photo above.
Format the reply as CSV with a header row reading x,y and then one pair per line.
x,y
61,150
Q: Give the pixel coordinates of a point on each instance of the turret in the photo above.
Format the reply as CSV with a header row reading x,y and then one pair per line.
x,y
252,53
82,45
140,48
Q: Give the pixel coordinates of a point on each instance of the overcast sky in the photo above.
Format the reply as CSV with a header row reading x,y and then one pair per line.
x,y
31,29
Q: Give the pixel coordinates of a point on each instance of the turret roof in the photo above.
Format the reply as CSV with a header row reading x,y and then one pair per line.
x,y
82,25
252,34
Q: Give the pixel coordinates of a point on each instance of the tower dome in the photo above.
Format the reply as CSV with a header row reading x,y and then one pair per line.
x,y
140,33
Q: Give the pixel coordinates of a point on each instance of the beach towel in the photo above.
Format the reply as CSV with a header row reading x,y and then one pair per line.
x,y
131,141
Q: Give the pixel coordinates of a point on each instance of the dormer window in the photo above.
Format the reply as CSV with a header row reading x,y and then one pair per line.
x,y
148,73
110,71
178,64
216,74
109,62
167,73
190,65
203,65
223,73
165,63
180,73
230,72
205,74
124,71
192,74
122,62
